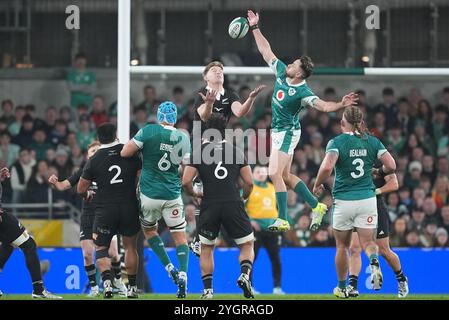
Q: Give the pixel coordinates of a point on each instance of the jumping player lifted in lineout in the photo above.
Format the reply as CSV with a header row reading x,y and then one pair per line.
x,y
291,95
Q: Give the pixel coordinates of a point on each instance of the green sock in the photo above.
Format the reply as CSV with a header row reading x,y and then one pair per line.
x,y
372,257
281,199
158,248
342,284
182,253
304,192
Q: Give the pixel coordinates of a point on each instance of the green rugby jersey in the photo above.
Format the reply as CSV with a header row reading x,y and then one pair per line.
x,y
79,79
288,99
163,149
356,157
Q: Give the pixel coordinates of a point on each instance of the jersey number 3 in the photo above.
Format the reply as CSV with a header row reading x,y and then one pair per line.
x,y
359,168
114,180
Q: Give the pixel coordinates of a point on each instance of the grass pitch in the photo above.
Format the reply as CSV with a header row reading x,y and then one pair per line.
x,y
196,296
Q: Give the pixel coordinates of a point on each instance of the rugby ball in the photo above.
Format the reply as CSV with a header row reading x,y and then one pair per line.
x,y
238,28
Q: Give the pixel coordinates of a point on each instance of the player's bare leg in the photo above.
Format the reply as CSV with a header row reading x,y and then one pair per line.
x,y
88,248
104,266
182,252
355,265
393,261
157,245
343,241
131,263
246,259
116,267
278,161
207,270
368,244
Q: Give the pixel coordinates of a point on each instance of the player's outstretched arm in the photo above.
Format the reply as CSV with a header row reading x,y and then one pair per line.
x,y
129,149
241,110
262,43
205,109
325,171
247,178
59,185
83,186
187,181
348,100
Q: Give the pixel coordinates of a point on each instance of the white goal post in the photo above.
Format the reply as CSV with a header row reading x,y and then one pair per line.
x,y
124,70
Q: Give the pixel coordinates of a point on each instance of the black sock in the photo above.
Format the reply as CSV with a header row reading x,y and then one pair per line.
x,y
400,276
106,275
38,287
207,281
246,267
91,272
132,280
116,267
353,281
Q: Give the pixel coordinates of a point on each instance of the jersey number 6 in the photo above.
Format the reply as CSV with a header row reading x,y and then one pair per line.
x,y
219,169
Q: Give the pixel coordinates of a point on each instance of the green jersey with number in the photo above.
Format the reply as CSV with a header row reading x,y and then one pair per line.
x,y
163,149
288,99
356,157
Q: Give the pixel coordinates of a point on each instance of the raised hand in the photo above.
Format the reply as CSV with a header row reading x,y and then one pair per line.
x,y
256,91
53,179
253,18
4,173
317,190
210,96
350,99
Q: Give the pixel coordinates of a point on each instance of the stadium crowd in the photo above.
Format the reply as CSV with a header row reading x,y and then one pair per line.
x,y
414,131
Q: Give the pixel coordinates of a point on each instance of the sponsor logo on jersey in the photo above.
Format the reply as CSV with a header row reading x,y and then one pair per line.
x,y
225,101
291,92
175,212
280,95
370,219
218,109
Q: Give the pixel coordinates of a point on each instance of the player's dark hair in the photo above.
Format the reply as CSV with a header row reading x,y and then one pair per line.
x,y
212,64
178,89
107,132
354,116
80,55
387,92
217,122
306,66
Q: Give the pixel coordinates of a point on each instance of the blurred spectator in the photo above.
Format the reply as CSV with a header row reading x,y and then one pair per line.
x,y
317,152
59,134
66,114
85,135
441,238
40,144
403,119
62,164
445,217
430,209
379,127
76,155
417,220
388,106
395,208
322,239
140,120
440,191
428,167
82,83
443,166
178,98
427,237
20,175
37,186
14,127
412,239
395,139
25,136
300,236
439,122
98,114
149,102
51,115
413,179
397,238
9,152
7,112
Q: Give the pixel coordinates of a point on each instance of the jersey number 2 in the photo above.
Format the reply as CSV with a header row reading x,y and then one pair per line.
x,y
359,162
114,180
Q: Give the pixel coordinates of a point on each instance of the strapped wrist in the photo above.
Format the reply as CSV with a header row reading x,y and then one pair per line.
x,y
254,27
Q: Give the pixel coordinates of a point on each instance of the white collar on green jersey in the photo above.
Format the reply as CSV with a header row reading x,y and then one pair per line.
x,y
108,145
350,133
220,93
168,127
295,85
